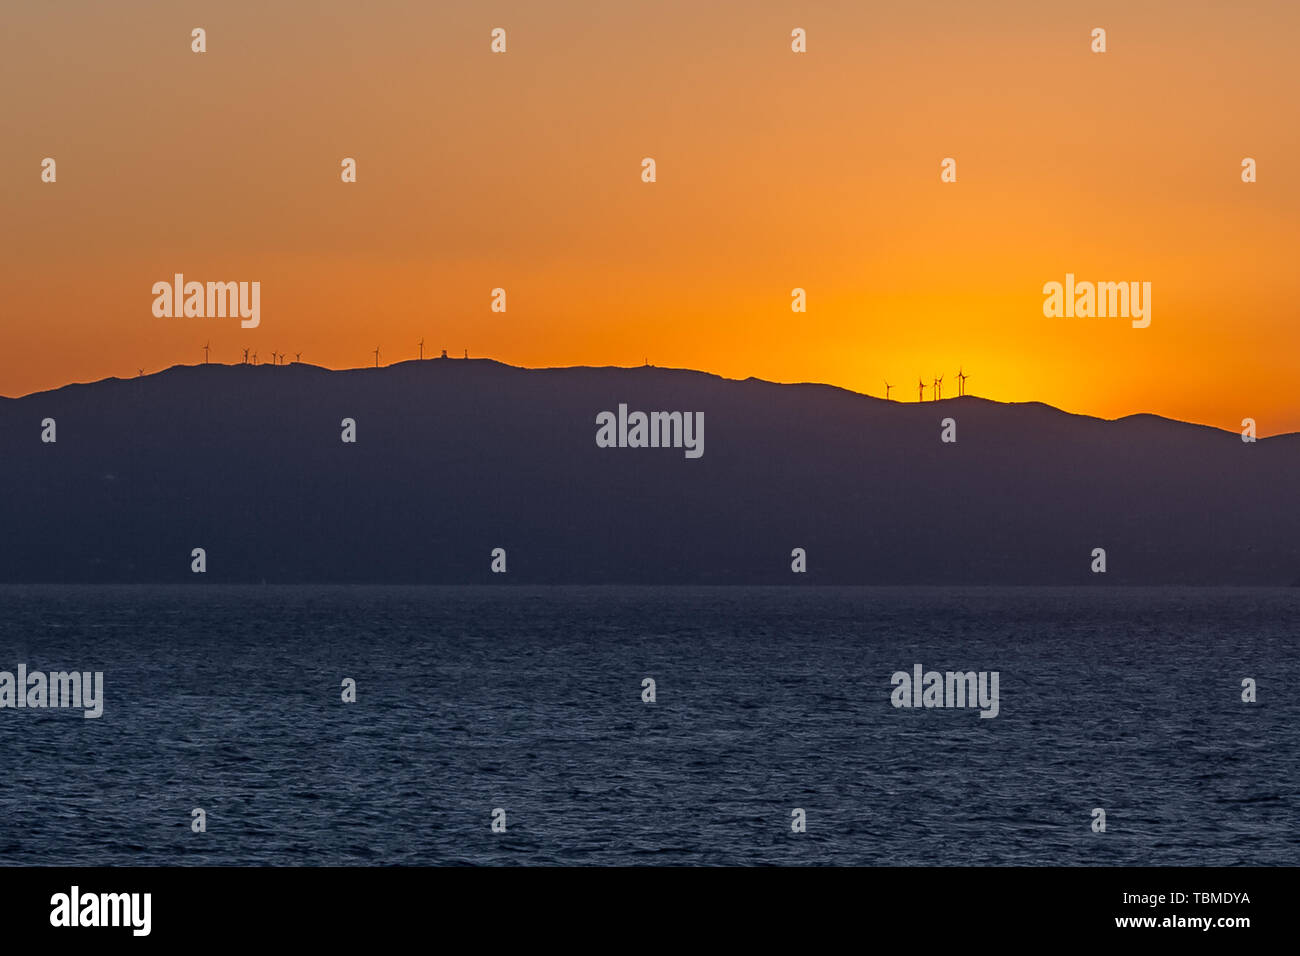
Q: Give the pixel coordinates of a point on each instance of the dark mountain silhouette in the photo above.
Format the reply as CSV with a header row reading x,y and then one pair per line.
x,y
456,457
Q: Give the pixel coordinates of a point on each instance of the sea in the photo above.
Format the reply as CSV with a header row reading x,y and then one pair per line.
x,y
513,725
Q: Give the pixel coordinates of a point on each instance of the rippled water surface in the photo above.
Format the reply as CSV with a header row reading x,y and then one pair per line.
x,y
768,699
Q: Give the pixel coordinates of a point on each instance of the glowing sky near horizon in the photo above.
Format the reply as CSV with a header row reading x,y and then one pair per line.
x,y
775,171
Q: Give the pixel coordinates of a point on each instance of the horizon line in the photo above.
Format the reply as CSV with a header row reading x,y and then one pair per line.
x,y
666,368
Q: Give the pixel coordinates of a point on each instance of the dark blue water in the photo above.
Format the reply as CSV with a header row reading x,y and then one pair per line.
x,y
768,699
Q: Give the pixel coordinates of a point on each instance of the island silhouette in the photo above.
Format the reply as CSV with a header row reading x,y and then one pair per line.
x,y
456,458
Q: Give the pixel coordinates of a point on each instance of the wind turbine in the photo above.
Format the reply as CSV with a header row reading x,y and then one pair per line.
x,y
141,371
920,389
887,388
273,355
938,388
297,356
467,353
961,381
254,358
376,356
205,352
421,350
245,356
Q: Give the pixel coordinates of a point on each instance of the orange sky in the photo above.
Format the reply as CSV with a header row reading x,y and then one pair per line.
x,y
775,170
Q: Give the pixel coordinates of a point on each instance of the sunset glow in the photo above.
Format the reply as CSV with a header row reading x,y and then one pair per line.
x,y
774,171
